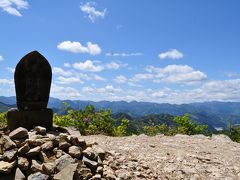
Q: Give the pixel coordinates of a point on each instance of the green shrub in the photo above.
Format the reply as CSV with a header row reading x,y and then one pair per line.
x,y
3,120
121,130
185,126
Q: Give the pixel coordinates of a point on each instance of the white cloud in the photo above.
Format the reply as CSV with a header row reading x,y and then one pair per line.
x,y
108,89
88,65
120,79
141,76
68,80
91,12
99,78
12,70
115,65
13,6
171,54
124,54
60,72
64,92
1,58
67,65
77,47
176,74
6,81
232,74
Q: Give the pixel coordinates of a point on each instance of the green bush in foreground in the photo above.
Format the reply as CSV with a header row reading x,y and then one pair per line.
x,y
89,121
3,119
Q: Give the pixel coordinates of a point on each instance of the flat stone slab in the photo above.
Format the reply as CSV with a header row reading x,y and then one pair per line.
x,y
29,119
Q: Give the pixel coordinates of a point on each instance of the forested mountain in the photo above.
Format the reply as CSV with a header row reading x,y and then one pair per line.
x,y
215,114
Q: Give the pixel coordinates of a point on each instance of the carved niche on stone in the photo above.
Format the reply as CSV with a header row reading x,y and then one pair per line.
x,y
33,77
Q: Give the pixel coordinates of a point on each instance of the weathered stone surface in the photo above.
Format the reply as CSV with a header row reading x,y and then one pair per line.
x,y
90,153
96,177
6,167
66,173
91,164
47,156
47,146
29,119
23,163
15,174
64,145
33,77
10,155
40,130
38,176
24,149
75,151
19,133
101,153
48,168
36,166
34,151
6,143
63,161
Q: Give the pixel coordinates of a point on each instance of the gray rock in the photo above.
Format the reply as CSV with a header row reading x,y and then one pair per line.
x,y
63,161
23,163
64,145
40,130
89,163
48,168
15,174
90,153
6,167
67,172
34,151
38,176
47,156
101,153
47,146
10,155
19,133
24,149
6,143
36,166
75,151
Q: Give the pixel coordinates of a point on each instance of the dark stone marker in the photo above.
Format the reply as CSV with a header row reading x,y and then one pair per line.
x,y
33,76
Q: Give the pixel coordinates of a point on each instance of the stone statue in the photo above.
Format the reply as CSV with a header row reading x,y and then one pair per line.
x,y
33,76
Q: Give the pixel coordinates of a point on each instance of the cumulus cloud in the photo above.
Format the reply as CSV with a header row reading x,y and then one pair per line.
x,y
67,65
62,92
175,74
171,54
6,81
77,47
60,72
68,80
89,8
13,6
99,78
10,69
115,65
120,79
123,54
88,65
1,58
108,89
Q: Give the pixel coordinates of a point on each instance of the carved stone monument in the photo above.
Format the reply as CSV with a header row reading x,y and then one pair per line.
x,y
33,76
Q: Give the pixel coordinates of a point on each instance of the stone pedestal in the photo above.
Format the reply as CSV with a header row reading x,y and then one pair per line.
x,y
29,119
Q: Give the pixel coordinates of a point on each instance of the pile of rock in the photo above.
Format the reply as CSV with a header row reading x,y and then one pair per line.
x,y
55,154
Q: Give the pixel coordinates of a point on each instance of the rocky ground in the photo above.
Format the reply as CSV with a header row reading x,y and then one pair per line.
x,y
63,154
178,157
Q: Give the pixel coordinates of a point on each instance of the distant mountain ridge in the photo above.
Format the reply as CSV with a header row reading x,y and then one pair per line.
x,y
216,114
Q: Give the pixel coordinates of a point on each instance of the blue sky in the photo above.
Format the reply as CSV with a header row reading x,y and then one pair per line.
x,y
147,50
